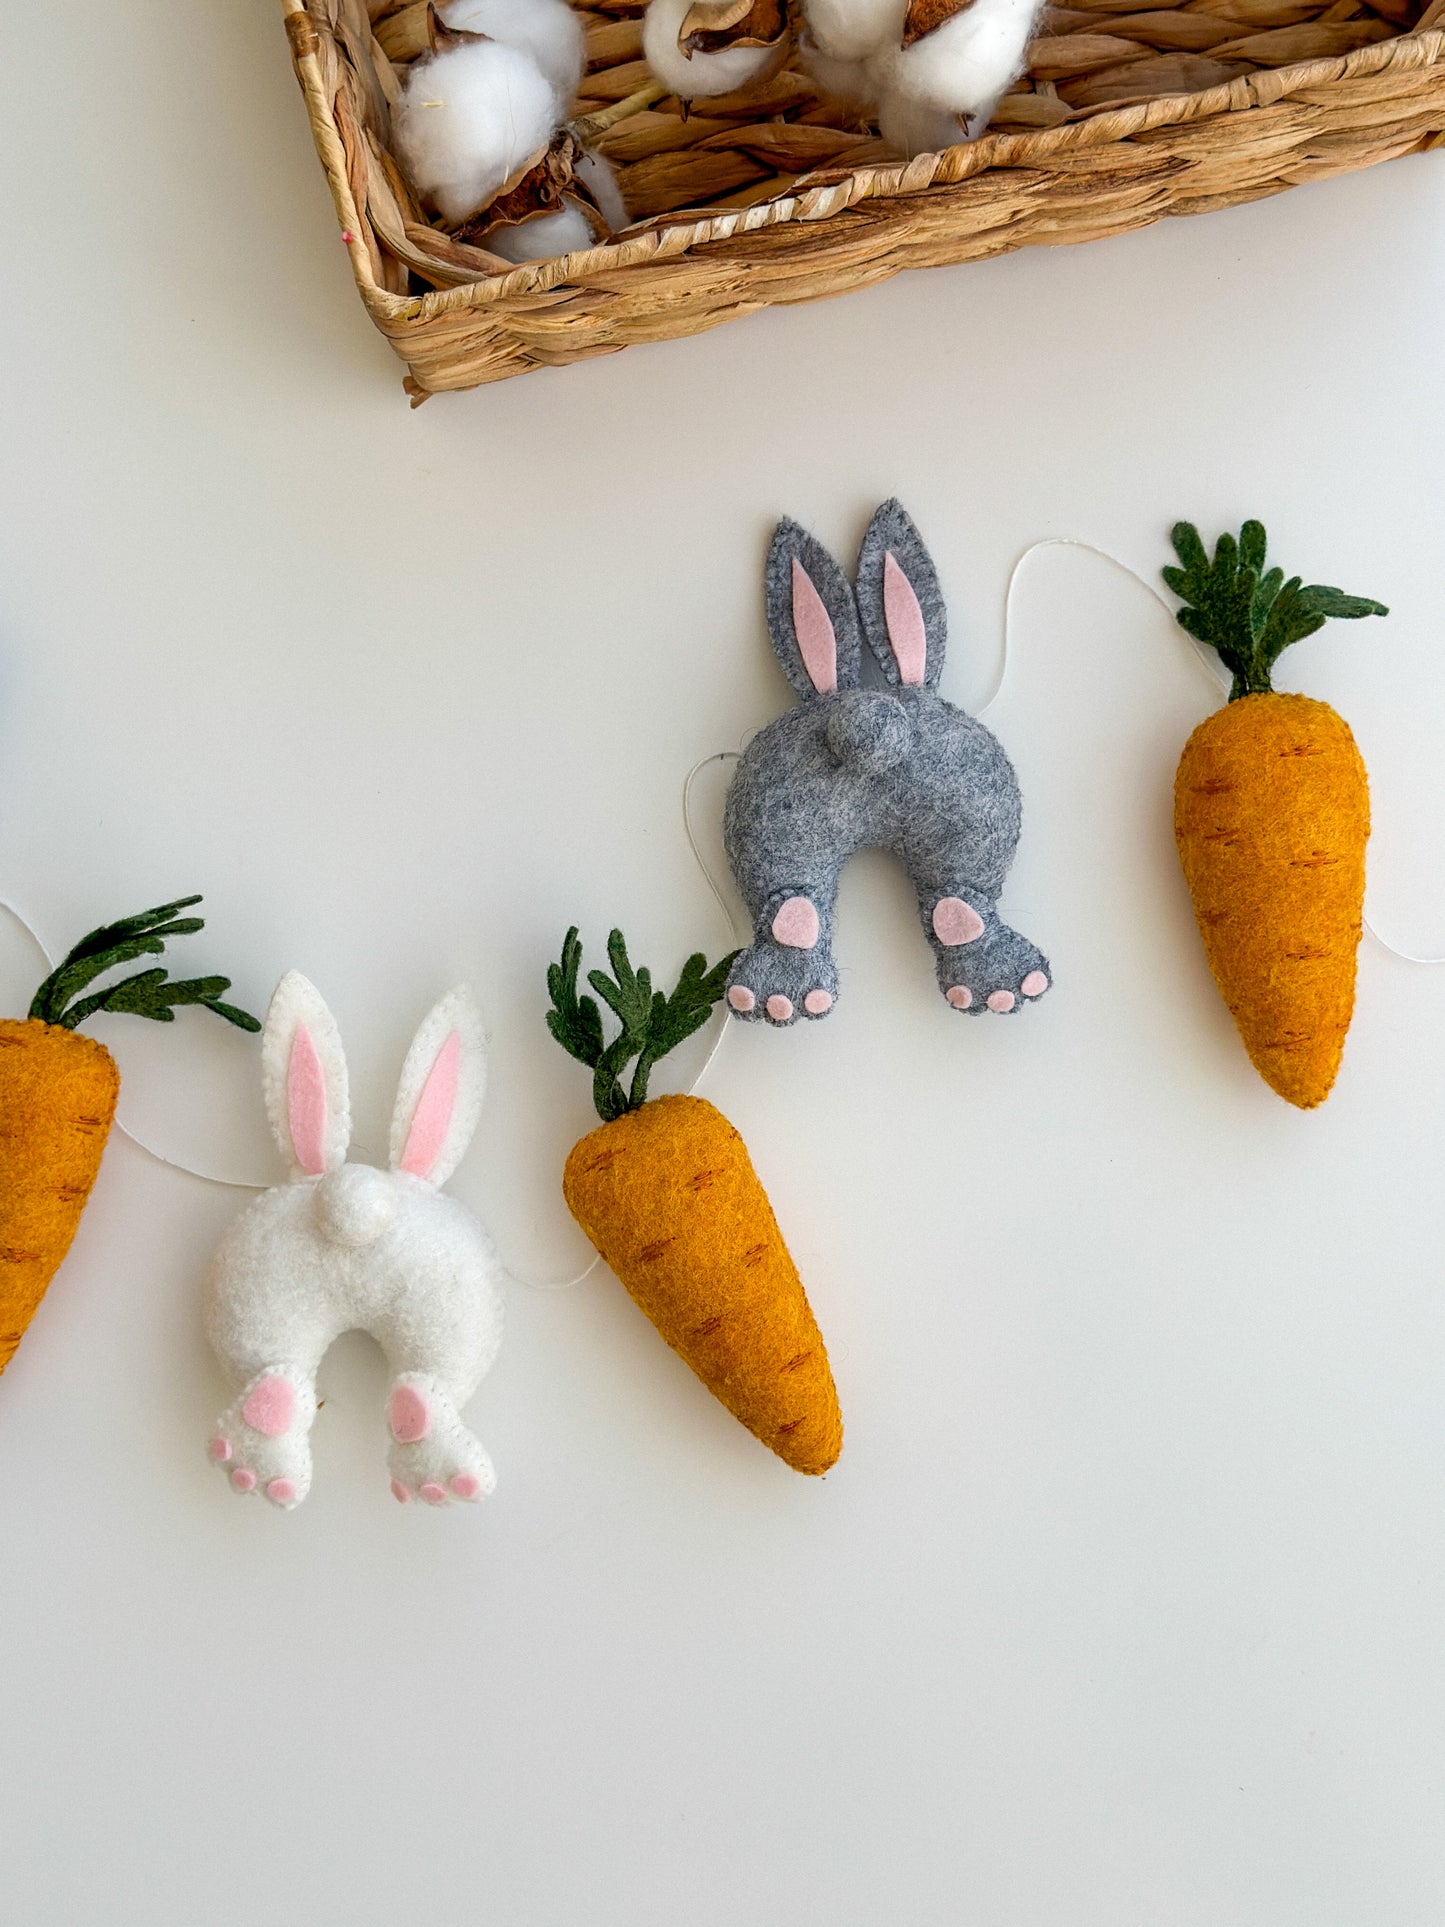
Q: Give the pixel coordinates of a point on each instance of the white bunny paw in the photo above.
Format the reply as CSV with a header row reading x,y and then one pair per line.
x,y
262,1443
433,1456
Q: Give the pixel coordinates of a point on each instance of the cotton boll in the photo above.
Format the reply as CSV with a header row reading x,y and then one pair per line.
x,y
548,30
568,228
467,120
598,176
851,30
700,75
544,237
959,70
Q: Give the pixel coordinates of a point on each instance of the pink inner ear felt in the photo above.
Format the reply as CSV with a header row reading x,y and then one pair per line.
x,y
813,627
306,1103
905,624
432,1118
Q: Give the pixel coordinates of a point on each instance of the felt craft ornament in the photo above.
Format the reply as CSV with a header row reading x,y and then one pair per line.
x,y
896,767
58,1093
667,1194
346,1247
1271,815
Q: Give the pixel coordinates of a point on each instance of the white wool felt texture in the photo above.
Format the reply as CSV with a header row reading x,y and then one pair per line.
x,y
428,1287
458,1012
547,30
854,29
961,68
362,1249
470,118
699,76
296,1001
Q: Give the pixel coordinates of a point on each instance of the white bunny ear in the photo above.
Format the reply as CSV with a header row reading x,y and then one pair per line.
x,y
303,1074
443,1082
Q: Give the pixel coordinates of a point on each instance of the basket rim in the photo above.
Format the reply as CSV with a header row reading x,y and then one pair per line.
x,y
668,236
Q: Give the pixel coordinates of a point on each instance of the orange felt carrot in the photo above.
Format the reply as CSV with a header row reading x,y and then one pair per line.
x,y
58,1093
666,1192
1271,815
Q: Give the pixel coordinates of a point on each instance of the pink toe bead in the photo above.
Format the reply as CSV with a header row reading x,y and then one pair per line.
x,y
817,1001
741,998
220,1450
960,996
466,1485
1035,984
243,1478
433,1493
281,1491
780,1009
1000,1000
399,1492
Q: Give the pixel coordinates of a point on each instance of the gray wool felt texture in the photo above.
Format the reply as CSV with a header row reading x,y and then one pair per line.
x,y
895,768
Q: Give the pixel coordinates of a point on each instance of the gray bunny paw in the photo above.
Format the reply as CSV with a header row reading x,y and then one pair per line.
x,y
788,972
983,965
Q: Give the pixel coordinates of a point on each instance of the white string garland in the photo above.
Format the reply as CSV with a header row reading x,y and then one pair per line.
x,y
1208,666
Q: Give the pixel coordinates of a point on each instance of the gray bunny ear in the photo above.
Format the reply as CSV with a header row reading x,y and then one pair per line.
x,y
900,600
812,614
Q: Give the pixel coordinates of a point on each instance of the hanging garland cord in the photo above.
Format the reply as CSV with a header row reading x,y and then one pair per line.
x,y
1208,667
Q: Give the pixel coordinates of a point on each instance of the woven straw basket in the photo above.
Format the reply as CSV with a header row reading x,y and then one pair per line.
x,y
774,195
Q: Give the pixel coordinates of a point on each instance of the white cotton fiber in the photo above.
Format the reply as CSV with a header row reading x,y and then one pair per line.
x,y
568,228
468,120
846,82
548,30
599,177
543,237
851,30
954,74
702,75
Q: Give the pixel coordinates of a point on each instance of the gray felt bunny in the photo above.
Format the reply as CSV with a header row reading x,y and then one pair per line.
x,y
896,767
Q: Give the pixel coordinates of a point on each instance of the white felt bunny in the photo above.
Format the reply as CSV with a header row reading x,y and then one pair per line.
x,y
343,1247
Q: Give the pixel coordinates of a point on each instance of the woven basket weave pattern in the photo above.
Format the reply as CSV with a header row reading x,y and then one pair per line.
x,y
780,198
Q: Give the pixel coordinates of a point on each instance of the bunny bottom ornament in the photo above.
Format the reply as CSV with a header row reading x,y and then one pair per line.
x,y
894,767
344,1247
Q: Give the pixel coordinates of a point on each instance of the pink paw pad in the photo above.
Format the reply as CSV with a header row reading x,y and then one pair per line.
x,y
1035,984
281,1492
956,922
780,1009
796,924
244,1479
399,1492
817,1001
409,1414
220,1450
741,998
960,996
466,1485
1000,1000
433,1493
270,1406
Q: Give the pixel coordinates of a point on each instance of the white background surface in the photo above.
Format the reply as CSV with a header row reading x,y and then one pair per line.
x,y
1124,1603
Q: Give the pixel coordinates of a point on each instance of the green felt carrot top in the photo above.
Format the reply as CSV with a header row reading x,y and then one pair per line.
x,y
1248,615
149,993
651,1023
